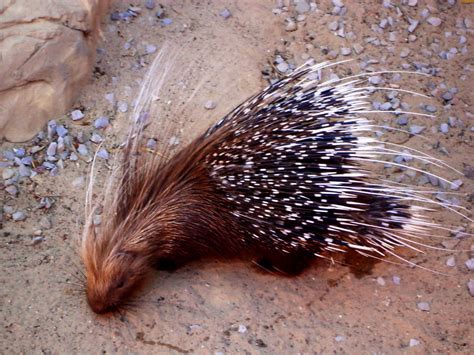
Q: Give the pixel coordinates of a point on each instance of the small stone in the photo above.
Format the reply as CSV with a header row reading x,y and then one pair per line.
x,y
338,3
166,22
101,122
381,281
402,120
415,129
456,184
150,4
470,264
61,130
82,137
110,97
290,25
38,232
151,144
19,152
97,219
24,171
424,306
122,107
444,128
339,338
96,138
346,51
8,209
225,14
12,190
8,174
149,49
451,261
375,80
358,48
210,105
103,154
8,155
82,150
404,52
77,115
302,6
430,108
242,328
160,12
414,342
412,2
19,216
450,244
470,286
447,96
52,149
434,21
396,279
174,140
73,157
333,26
413,25
283,67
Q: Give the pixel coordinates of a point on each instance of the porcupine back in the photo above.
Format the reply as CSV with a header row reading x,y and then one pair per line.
x,y
284,177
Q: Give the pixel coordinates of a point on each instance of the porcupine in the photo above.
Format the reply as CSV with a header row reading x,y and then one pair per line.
x,y
280,180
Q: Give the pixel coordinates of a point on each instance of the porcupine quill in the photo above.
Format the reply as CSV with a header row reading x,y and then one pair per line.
x,y
283,178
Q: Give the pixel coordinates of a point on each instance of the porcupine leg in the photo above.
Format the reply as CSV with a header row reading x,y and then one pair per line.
x,y
289,264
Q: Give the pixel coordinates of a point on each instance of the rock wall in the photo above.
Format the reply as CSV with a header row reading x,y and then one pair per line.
x,y
47,50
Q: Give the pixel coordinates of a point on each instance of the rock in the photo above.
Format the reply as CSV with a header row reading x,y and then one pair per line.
x,y
12,190
150,4
470,286
103,154
302,6
210,105
413,342
77,115
283,67
451,261
242,328
8,174
225,14
434,21
19,216
122,106
470,264
346,51
424,306
103,122
290,25
48,50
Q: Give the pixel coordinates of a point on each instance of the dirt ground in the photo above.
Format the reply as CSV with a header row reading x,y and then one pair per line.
x,y
226,308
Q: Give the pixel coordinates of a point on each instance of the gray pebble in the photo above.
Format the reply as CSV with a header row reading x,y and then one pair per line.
x,y
110,97
412,2
24,171
451,261
346,51
434,21
404,52
150,4
96,138
333,26
48,165
283,67
430,108
166,22
174,140
415,129
381,281
450,244
26,161
242,328
225,14
151,144
302,6
338,3
456,184
358,48
82,150
19,216
82,137
290,25
52,149
8,209
470,286
424,306
73,157
122,107
375,80
102,122
447,96
8,174
150,49
97,219
103,153
77,115
413,342
413,25
396,279
61,130
8,155
19,152
12,190
470,264
339,338
210,105
444,128
402,120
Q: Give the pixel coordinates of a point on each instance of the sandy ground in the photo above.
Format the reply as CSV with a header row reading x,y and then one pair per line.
x,y
226,308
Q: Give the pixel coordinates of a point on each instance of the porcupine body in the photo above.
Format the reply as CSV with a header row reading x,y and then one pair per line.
x,y
279,180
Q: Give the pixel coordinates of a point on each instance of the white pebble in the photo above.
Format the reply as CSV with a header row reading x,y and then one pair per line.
x,y
451,261
210,105
19,216
8,174
434,21
414,342
77,115
242,328
424,306
470,264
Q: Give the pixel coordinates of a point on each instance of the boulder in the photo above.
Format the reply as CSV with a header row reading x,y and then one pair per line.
x,y
47,50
